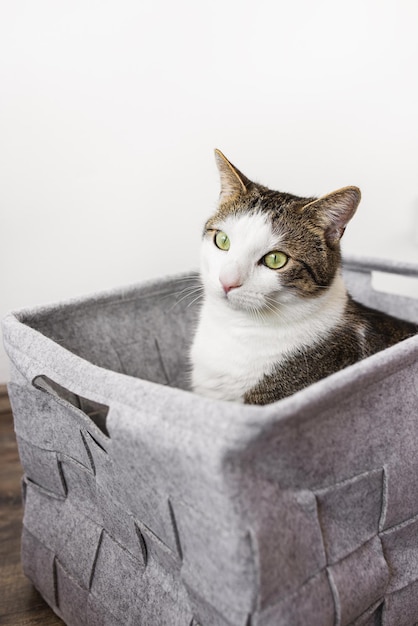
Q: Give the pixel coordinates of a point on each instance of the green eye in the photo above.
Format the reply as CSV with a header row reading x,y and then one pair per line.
x,y
222,240
275,260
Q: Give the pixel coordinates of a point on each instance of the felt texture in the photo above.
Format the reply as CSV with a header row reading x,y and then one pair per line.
x,y
147,504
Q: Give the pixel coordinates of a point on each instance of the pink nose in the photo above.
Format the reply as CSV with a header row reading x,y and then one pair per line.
x,y
228,286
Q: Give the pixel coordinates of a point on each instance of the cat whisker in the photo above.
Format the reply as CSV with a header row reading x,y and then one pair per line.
x,y
262,315
189,289
273,307
256,313
172,294
190,277
198,297
189,292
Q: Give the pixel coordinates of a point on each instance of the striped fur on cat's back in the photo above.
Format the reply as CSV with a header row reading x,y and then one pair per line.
x,y
276,315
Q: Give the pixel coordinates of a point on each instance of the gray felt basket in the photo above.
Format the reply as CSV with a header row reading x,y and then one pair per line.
x,y
146,504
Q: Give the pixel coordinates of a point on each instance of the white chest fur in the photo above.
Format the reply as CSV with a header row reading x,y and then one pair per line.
x,y
233,350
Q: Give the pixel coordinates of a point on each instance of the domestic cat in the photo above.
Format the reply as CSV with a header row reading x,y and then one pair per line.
x,y
276,315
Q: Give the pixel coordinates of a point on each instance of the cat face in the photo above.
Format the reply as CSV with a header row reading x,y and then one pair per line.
x,y
263,249
236,253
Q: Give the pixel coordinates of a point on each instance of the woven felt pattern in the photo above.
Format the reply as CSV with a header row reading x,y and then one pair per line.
x,y
145,504
92,539
335,560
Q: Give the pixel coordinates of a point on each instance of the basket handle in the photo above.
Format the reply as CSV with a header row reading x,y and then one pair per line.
x,y
94,410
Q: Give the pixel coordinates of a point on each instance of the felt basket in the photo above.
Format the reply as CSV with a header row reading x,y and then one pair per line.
x,y
147,504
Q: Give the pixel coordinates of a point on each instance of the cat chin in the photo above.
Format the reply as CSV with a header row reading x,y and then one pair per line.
x,y
276,306
240,305
250,303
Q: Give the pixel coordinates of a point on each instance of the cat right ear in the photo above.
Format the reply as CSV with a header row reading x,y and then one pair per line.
x,y
233,182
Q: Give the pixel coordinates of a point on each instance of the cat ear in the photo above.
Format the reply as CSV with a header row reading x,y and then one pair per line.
x,y
334,211
233,182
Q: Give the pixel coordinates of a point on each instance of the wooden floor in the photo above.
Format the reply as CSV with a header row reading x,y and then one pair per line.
x,y
20,604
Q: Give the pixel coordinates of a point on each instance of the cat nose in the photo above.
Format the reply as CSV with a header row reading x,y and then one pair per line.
x,y
227,287
230,277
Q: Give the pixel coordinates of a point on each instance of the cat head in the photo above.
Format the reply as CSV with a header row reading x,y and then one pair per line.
x,y
263,248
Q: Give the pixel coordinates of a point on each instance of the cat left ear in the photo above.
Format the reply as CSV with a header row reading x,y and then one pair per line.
x,y
233,182
334,211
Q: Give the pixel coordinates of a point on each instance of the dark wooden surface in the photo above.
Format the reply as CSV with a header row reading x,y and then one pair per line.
x,y
20,603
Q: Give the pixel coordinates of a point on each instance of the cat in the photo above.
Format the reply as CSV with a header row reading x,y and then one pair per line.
x,y
276,315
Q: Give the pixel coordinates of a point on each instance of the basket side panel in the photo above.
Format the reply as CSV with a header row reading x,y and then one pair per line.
x,y
357,460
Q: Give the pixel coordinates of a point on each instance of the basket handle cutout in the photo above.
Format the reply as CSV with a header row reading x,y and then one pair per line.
x,y
94,410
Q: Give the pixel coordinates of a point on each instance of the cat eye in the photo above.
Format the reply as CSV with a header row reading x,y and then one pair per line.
x,y
275,260
222,240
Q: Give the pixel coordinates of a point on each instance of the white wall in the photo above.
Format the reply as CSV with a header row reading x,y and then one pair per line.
x,y
110,110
